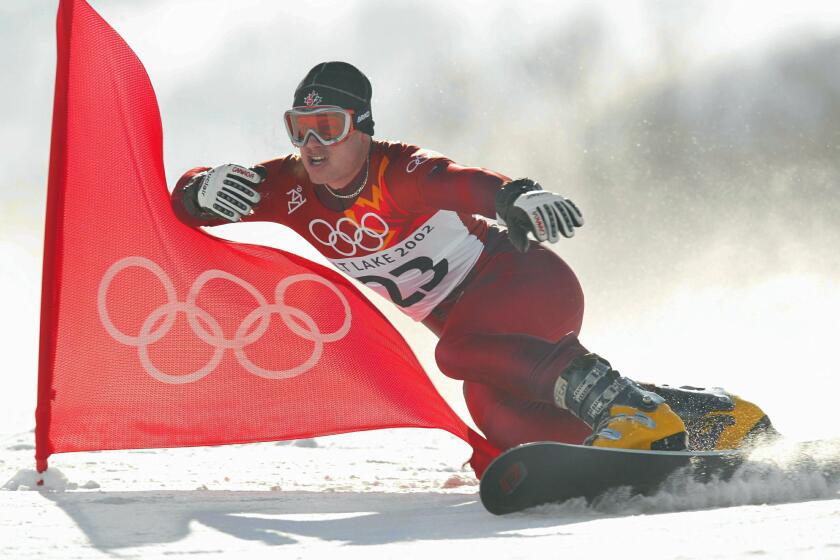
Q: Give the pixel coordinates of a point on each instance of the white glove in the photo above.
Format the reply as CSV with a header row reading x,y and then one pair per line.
x,y
550,214
524,207
228,191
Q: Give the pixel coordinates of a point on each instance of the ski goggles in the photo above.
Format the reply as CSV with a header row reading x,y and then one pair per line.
x,y
329,125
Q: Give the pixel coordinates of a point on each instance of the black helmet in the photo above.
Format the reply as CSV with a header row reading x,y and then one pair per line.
x,y
340,84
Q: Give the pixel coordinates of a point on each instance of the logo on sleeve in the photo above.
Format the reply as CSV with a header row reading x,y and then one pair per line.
x,y
416,162
296,199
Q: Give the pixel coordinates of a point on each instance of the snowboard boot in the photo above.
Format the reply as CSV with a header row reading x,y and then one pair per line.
x,y
716,419
621,413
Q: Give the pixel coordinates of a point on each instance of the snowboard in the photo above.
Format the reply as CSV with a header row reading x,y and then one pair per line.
x,y
548,472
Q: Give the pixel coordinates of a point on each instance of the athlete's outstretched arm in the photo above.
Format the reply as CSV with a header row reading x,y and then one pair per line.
x,y
225,194
470,190
521,205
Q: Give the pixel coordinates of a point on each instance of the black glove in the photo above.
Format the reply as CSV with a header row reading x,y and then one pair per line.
x,y
524,207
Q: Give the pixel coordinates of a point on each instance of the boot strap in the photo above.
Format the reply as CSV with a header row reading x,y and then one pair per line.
x,y
599,370
609,394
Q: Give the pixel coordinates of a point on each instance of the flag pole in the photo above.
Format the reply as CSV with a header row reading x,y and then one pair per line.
x,y
50,290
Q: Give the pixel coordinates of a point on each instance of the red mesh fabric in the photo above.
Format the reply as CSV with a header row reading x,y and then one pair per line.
x,y
154,334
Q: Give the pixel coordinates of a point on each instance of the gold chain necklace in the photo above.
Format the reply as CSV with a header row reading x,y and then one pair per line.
x,y
361,187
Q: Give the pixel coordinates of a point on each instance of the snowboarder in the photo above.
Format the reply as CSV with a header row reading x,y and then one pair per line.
x,y
418,228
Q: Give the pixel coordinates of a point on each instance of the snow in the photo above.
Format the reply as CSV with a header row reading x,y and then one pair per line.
x,y
386,494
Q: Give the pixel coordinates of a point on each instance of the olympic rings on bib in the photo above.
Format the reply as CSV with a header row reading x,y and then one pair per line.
x,y
355,241
298,321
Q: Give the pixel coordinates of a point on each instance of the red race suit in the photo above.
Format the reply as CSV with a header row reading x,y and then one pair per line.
x,y
419,233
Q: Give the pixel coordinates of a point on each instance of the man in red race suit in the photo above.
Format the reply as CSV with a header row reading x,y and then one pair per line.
x,y
449,246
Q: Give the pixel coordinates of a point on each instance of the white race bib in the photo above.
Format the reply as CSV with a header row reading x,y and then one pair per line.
x,y
421,270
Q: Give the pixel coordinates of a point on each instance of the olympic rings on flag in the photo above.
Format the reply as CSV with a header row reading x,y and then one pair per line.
x,y
298,321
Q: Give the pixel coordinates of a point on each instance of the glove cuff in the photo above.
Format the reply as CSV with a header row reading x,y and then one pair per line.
x,y
189,199
509,192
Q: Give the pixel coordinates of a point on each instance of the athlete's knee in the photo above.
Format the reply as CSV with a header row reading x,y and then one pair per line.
x,y
568,293
452,356
478,396
556,295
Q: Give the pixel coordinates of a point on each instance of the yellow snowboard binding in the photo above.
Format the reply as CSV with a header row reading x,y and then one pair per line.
x,y
716,419
627,427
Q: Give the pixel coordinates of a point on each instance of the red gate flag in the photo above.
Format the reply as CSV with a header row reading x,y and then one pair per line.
x,y
154,334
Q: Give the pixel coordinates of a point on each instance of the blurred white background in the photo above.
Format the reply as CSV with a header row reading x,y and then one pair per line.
x,y
700,138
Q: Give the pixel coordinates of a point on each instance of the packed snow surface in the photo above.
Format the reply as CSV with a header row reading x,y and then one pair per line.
x,y
386,494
